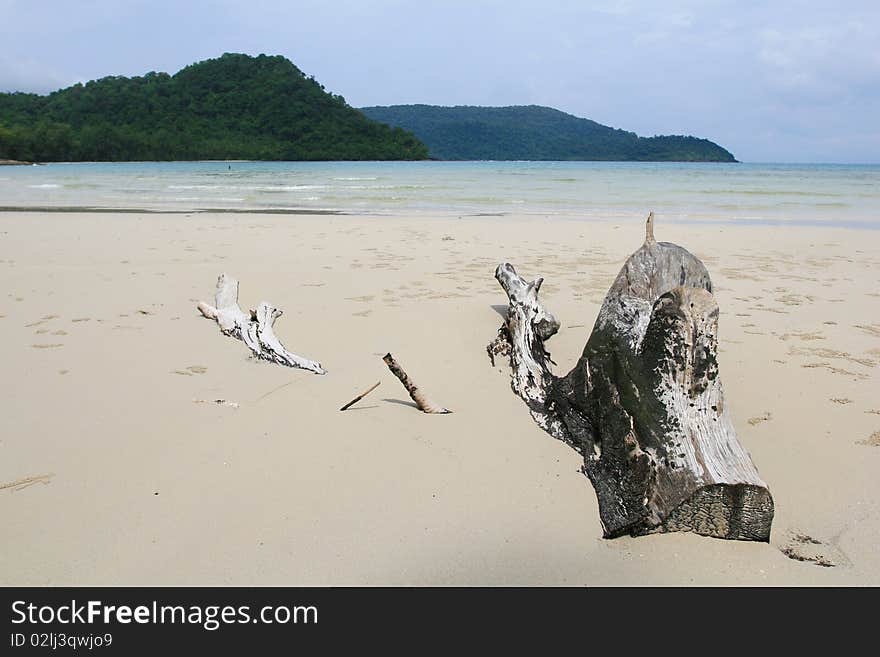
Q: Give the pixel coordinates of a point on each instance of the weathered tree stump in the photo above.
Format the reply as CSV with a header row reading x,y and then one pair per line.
x,y
253,328
644,405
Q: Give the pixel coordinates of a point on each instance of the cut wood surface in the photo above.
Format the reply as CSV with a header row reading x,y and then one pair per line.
x,y
415,393
644,404
255,328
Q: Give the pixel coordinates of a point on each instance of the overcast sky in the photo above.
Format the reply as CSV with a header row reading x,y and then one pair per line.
x,y
782,81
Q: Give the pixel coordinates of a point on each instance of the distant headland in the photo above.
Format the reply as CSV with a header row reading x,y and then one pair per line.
x,y
235,107
536,133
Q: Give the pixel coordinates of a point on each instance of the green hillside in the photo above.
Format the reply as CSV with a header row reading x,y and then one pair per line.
x,y
232,107
535,133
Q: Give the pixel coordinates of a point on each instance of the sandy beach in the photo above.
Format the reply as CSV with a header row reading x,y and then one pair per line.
x,y
118,467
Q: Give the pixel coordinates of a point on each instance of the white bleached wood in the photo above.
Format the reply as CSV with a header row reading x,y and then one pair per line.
x,y
255,328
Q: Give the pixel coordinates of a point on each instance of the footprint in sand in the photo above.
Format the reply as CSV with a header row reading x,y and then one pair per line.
x,y
766,417
832,353
870,329
192,369
803,547
220,402
27,481
793,299
42,320
770,310
736,274
836,370
81,319
872,441
47,346
802,336
841,400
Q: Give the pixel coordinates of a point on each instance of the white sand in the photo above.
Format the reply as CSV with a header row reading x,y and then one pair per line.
x,y
149,487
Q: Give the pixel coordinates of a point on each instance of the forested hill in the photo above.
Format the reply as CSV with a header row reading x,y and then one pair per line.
x,y
232,107
535,133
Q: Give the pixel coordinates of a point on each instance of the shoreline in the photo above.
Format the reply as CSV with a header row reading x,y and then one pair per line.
x,y
853,224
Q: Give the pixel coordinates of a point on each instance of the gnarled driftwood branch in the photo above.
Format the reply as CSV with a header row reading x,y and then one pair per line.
x,y
644,405
253,328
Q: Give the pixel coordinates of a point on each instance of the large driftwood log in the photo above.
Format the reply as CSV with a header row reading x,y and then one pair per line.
x,y
644,404
253,328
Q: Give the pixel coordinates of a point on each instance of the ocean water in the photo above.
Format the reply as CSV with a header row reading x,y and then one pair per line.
x,y
842,195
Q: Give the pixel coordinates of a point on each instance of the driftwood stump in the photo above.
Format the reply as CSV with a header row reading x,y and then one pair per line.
x,y
253,328
644,405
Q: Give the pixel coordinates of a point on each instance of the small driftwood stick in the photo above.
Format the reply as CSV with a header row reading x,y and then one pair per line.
x,y
361,396
254,328
424,404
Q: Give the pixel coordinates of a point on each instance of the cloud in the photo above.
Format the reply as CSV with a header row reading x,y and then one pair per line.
x,y
822,62
27,74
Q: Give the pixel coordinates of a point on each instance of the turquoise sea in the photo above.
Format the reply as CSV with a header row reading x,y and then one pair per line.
x,y
824,194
